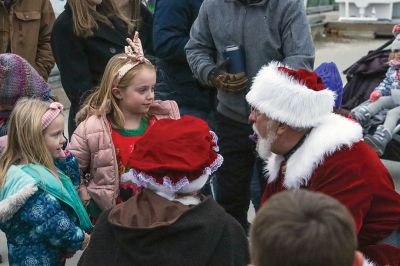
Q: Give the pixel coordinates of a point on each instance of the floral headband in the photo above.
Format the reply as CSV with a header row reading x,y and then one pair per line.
x,y
54,109
133,52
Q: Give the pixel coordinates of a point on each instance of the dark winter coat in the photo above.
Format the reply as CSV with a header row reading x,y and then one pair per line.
x,y
171,29
140,232
82,61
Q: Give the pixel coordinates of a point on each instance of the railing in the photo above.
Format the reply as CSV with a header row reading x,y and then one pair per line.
x,y
318,6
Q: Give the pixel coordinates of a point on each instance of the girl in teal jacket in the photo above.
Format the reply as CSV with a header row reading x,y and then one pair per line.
x,y
40,211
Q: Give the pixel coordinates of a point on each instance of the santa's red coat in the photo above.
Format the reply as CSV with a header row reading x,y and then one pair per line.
x,y
353,174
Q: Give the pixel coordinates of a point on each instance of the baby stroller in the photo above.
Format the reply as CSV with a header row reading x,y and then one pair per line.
x,y
362,78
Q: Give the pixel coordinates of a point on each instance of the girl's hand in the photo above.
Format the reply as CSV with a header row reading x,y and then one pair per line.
x,y
375,95
86,241
84,195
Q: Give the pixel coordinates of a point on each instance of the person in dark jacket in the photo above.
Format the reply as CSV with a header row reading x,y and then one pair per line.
x,y
169,222
172,22
85,36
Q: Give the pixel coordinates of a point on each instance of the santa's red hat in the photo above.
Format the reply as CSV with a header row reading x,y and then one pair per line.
x,y
174,156
295,97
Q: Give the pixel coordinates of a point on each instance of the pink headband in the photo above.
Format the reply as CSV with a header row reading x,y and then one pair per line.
x,y
135,56
54,109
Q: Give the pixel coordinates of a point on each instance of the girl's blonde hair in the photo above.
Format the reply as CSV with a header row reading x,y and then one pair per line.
x,y
102,101
26,142
85,19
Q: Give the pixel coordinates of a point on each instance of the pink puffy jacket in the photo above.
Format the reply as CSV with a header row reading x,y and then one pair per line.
x,y
92,144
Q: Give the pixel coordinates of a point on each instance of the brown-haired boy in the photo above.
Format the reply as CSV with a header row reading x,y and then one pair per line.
x,y
303,228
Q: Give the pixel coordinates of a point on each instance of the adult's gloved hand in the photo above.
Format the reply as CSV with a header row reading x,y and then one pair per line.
x,y
223,80
375,95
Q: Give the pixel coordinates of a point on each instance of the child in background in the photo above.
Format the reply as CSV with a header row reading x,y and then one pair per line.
x,y
385,96
115,116
41,213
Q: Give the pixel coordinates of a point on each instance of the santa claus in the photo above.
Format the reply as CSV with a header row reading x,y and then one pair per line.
x,y
306,146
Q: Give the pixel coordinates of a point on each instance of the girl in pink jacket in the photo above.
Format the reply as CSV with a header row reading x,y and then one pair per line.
x,y
112,119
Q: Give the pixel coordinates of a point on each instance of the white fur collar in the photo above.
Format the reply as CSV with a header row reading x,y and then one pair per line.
x,y
12,204
333,133
367,262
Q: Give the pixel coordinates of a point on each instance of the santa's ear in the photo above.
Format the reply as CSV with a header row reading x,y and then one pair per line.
x,y
358,259
282,128
116,93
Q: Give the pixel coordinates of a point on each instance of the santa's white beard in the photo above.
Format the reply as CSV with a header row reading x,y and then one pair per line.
x,y
264,144
264,148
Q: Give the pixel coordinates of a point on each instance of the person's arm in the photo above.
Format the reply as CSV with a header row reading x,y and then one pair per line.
x,y
79,147
172,22
386,84
72,60
200,49
44,55
45,214
298,47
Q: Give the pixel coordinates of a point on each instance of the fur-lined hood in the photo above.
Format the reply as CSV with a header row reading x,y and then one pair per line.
x,y
18,188
333,133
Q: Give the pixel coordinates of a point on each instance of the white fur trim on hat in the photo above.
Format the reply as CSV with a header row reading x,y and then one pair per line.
x,y
287,100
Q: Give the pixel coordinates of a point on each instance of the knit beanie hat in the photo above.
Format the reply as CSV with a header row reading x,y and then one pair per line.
x,y
396,42
19,79
174,157
297,98
329,74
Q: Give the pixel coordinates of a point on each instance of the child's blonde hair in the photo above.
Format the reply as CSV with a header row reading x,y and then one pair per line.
x,y
86,20
102,100
26,143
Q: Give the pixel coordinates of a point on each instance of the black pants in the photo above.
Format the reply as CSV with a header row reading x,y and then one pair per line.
x,y
233,177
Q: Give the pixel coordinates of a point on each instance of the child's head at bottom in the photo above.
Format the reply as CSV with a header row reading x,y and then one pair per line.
x,y
126,89
35,134
300,227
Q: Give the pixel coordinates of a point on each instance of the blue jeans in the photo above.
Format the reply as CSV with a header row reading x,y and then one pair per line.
x,y
393,115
